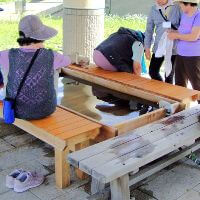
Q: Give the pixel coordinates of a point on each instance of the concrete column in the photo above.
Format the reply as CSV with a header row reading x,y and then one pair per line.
x,y
83,26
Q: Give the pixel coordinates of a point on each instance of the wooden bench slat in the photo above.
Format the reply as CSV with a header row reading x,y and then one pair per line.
x,y
70,127
42,123
89,74
133,162
77,131
91,151
135,144
64,123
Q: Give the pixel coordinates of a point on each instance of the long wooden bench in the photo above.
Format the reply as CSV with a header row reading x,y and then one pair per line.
x,y
113,160
131,84
66,131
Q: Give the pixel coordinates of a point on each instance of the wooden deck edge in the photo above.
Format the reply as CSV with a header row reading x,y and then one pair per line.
x,y
117,86
140,121
106,131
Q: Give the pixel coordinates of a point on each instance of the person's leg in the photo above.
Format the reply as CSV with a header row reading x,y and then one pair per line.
x,y
1,79
192,65
169,79
101,61
181,77
154,68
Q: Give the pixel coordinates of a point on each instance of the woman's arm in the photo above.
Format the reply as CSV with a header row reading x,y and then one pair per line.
x,y
138,51
61,60
137,68
193,36
149,30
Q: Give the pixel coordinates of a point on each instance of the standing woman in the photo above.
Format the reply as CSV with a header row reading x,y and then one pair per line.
x,y
187,65
1,76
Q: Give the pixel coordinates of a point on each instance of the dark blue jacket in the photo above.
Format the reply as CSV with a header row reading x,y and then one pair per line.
x,y
117,48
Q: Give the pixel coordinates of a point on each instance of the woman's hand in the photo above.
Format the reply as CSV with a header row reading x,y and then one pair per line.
x,y
137,68
148,54
173,35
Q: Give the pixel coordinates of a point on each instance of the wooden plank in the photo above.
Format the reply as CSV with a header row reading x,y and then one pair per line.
x,y
150,170
62,168
95,76
117,168
117,86
135,143
67,123
70,127
89,135
106,131
51,119
140,132
120,188
40,134
81,175
74,132
140,121
96,186
166,161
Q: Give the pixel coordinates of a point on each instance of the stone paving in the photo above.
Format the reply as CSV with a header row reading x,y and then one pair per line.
x,y
18,149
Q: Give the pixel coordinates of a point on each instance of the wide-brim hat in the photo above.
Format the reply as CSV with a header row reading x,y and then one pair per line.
x,y
188,1
32,27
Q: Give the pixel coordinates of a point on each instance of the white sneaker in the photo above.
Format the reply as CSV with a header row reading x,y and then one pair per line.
x,y
10,178
27,180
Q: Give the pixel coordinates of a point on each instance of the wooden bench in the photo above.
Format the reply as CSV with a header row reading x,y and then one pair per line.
x,y
132,85
113,160
66,131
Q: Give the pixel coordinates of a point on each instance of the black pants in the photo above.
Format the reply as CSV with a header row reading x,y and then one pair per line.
x,y
1,78
188,69
154,69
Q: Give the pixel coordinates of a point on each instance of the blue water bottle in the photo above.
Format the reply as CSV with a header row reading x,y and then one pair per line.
x,y
8,111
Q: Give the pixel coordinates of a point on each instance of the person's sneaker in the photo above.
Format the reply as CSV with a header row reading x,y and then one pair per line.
x,y
145,109
27,180
10,178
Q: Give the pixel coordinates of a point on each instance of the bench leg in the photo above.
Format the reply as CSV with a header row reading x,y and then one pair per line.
x,y
120,188
97,186
81,175
62,168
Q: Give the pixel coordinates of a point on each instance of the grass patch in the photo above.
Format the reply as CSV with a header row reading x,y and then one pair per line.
x,y
9,29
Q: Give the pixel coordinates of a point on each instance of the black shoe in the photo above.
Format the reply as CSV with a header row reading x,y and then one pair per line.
x,y
145,109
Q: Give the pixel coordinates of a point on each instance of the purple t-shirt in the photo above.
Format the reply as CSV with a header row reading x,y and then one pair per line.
x,y
59,59
185,48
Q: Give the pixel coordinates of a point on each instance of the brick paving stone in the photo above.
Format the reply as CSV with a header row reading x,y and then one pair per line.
x,y
7,129
4,146
47,191
197,187
191,195
139,195
78,194
18,140
11,195
3,187
19,155
174,183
